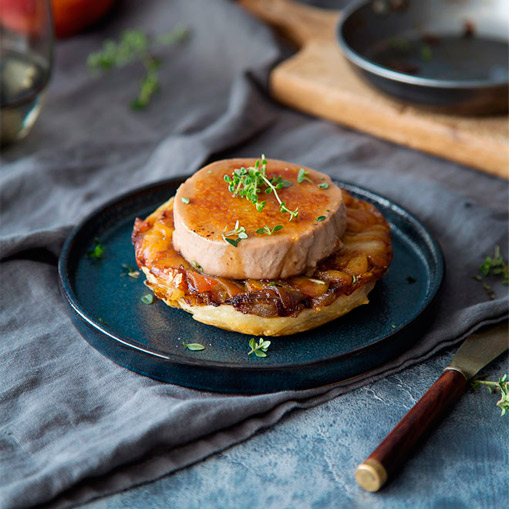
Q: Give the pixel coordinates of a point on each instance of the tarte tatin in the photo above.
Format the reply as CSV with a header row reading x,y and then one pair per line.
x,y
263,247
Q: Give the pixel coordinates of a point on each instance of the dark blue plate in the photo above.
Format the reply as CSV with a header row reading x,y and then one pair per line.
x,y
105,306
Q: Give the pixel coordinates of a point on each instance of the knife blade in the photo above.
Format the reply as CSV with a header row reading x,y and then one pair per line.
x,y
477,351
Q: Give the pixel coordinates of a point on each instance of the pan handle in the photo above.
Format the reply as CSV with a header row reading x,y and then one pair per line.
x,y
298,22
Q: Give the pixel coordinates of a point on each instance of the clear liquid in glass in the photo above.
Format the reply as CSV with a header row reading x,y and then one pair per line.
x,y
23,79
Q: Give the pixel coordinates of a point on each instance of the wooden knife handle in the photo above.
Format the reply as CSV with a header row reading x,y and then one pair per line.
x,y
298,22
390,455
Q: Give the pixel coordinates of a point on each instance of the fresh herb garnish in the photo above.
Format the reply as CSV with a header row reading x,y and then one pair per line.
x,y
249,182
195,347
100,320
354,279
493,266
127,270
185,200
320,218
426,53
97,253
302,176
323,185
393,326
266,230
489,290
239,231
196,265
147,299
136,46
259,348
274,284
502,385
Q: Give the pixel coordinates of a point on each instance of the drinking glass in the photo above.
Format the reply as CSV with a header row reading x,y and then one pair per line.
x,y
26,52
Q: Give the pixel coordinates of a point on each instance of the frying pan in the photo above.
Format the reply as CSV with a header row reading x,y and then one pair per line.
x,y
442,53
450,55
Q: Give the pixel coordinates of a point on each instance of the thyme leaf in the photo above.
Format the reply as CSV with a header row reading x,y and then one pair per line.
x,y
147,299
195,347
239,231
129,271
266,230
302,176
97,252
196,265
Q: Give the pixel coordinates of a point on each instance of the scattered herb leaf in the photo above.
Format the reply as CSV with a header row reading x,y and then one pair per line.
x,y
266,230
302,176
97,253
129,271
196,265
239,231
323,185
493,266
399,43
489,290
100,320
393,326
426,53
233,242
249,182
136,46
273,284
502,385
354,279
195,347
185,200
147,299
259,348
320,218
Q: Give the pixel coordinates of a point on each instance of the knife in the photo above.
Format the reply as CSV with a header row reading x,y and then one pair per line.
x,y
477,351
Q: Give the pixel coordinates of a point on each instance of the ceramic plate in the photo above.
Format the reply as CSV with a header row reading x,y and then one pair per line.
x,y
105,306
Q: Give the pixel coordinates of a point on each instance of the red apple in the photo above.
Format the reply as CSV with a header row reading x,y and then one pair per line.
x,y
73,16
22,16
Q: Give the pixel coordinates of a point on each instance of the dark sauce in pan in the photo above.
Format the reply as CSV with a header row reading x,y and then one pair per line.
x,y
463,58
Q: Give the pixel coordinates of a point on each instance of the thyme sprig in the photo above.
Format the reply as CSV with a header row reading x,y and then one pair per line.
x,y
238,231
502,385
259,348
493,266
249,182
136,46
496,266
266,230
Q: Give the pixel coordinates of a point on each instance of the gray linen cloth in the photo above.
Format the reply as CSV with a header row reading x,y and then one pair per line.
x,y
74,425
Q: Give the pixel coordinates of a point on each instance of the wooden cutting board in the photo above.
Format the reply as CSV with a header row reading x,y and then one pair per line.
x,y
319,80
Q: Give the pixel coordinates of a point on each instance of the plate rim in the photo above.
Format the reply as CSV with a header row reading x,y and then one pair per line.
x,y
70,297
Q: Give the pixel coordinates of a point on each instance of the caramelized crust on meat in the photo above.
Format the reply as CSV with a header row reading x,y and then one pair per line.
x,y
364,258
